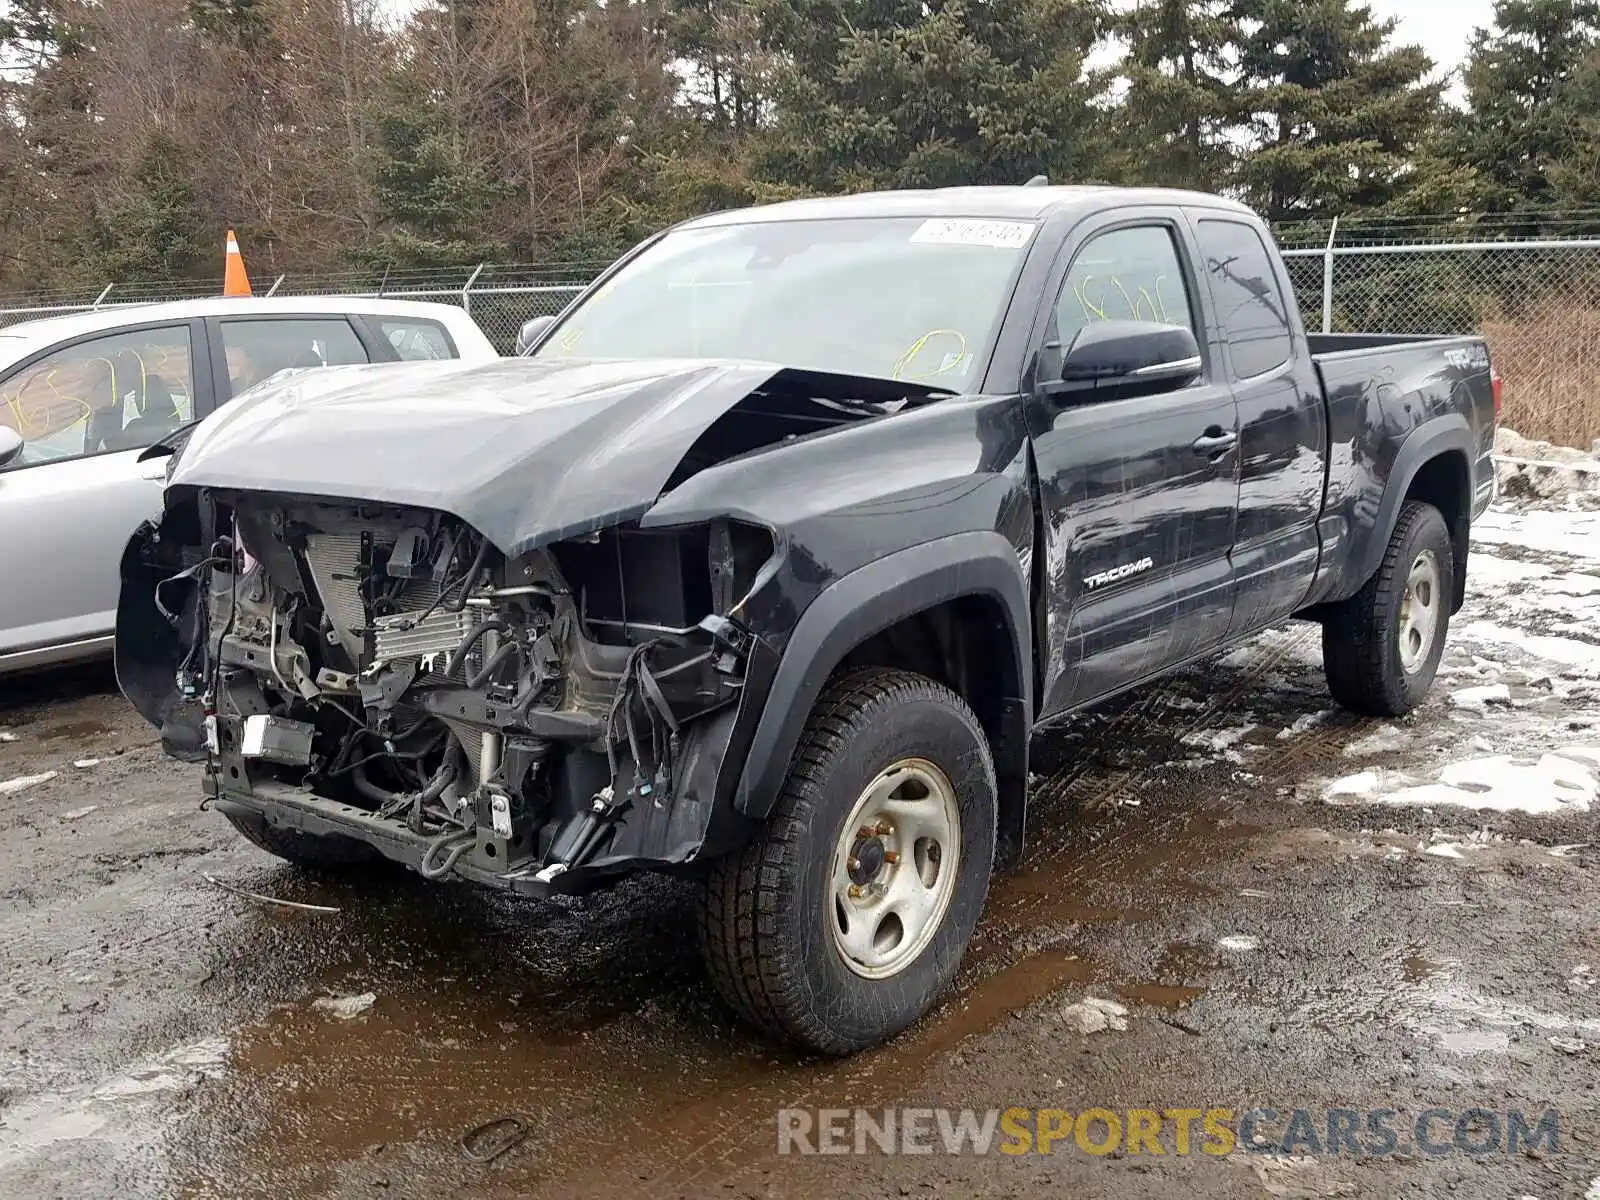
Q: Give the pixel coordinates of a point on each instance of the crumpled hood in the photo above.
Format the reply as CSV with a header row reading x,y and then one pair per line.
x,y
528,451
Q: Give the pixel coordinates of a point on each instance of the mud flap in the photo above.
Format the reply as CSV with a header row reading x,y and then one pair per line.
x,y
149,647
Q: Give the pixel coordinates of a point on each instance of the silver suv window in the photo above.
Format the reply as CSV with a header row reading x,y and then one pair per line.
x,y
257,349
121,391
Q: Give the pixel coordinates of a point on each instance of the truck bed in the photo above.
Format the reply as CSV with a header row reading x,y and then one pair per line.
x,y
1379,388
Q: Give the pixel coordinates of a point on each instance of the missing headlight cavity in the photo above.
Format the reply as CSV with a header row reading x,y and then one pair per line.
x,y
633,582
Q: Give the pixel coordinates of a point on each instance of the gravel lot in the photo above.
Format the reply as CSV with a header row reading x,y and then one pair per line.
x,y
1289,908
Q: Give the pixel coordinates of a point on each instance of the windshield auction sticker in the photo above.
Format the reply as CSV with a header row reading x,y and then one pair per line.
x,y
946,231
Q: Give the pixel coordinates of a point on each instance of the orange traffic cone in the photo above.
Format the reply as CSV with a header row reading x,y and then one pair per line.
x,y
234,281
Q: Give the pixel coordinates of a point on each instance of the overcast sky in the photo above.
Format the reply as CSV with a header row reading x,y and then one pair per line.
x,y
1441,27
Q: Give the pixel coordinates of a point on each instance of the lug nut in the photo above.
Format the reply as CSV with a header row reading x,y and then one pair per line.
x,y
854,864
891,856
883,829
855,892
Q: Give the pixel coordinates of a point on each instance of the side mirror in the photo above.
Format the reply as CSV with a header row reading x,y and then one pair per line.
x,y
529,333
10,445
1129,358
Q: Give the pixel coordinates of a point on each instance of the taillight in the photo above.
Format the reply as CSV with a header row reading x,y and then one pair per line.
x,y
1497,389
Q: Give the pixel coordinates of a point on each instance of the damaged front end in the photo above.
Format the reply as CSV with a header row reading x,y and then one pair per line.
x,y
384,673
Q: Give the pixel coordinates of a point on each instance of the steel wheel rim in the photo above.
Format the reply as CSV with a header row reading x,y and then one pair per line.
x,y
894,868
1420,608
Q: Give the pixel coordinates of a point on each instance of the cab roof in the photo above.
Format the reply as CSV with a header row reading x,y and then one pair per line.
x,y
1005,202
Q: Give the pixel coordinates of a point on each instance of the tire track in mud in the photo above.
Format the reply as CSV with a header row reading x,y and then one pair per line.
x,y
704,1143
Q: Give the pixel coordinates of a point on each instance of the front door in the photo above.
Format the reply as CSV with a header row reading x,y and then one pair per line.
x,y
1139,494
71,500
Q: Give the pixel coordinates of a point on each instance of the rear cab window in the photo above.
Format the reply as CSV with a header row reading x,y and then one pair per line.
x,y
1250,304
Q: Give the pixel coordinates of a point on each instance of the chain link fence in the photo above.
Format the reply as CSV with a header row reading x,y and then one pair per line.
x,y
1537,303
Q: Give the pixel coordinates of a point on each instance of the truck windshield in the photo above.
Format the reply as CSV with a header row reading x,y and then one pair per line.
x,y
908,298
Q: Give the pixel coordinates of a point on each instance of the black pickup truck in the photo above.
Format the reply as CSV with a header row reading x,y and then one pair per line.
x,y
767,558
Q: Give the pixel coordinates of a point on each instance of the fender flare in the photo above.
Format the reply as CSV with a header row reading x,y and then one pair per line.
x,y
1439,435
854,607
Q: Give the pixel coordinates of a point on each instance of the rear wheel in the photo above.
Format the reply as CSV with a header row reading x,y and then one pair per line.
x,y
847,919
1381,647
306,850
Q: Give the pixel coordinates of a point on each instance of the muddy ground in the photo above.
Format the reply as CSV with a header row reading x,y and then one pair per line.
x,y
160,1035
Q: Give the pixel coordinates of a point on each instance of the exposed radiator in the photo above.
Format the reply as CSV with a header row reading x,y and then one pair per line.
x,y
438,633
334,560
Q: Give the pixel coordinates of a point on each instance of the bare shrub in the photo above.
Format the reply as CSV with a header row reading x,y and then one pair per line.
x,y
1549,356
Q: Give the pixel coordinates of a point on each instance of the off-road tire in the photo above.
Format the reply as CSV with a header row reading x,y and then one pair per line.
x,y
1360,637
765,931
307,850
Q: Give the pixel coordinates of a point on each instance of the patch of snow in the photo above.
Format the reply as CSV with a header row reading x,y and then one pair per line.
x,y
75,814
1239,942
1561,782
7,786
1553,531
1572,584
1582,754
345,1007
1567,651
1383,740
85,763
38,1128
1304,723
1465,1021
1486,572
1478,699
1095,1014
7,736
1569,1045
1217,740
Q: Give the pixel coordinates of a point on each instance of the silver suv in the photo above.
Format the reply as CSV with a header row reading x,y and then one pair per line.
x,y
82,395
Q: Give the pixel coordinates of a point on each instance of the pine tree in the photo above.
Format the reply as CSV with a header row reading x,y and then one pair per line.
x,y
1333,111
1532,129
959,92
1175,115
148,225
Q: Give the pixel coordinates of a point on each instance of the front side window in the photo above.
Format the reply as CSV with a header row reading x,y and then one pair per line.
x,y
258,349
416,340
118,392
910,298
1125,275
1250,304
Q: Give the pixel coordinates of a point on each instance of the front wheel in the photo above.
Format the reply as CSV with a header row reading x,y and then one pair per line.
x,y
305,850
1381,647
846,920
